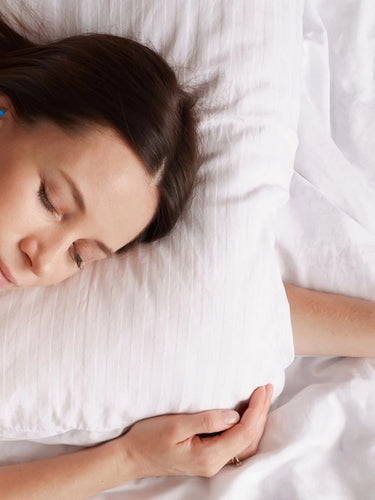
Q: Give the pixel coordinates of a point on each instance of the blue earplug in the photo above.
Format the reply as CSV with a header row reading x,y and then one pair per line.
x,y
1,112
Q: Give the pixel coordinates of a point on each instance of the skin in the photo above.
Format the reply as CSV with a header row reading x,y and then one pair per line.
x,y
39,246
329,324
322,323
44,233
47,233
167,445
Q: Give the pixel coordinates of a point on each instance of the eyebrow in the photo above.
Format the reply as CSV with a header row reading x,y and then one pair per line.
x,y
78,198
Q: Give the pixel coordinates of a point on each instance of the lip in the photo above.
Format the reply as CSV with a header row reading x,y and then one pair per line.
x,y
6,278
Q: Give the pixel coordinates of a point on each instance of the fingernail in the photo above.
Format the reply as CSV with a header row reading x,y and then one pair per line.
x,y
230,417
269,390
262,390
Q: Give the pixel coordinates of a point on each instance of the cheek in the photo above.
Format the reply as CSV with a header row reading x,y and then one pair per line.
x,y
8,201
59,276
18,203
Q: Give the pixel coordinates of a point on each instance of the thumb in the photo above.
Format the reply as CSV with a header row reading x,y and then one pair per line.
x,y
209,422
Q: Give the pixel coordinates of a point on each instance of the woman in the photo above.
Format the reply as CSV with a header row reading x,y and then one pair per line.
x,y
79,114
99,152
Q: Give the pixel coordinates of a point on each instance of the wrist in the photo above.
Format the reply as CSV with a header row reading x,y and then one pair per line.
x,y
124,466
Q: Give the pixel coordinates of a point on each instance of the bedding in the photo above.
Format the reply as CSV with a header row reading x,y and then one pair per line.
x,y
160,329
319,440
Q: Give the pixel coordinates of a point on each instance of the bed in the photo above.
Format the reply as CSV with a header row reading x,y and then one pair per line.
x,y
317,189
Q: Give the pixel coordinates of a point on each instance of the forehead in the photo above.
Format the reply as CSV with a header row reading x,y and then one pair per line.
x,y
116,188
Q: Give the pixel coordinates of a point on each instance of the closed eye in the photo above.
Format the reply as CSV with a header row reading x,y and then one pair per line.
x,y
42,195
77,258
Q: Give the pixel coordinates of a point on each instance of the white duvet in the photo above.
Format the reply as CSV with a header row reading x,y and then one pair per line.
x,y
320,438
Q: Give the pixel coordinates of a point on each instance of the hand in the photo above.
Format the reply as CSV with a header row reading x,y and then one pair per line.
x,y
255,418
169,445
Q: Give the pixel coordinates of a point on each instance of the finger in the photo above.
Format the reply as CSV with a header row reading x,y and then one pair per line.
x,y
205,422
269,388
269,393
255,418
257,398
259,405
257,427
243,434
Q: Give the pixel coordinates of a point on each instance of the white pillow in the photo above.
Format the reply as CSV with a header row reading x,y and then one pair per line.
x,y
199,319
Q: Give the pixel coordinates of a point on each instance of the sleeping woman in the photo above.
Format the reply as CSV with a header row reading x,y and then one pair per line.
x,y
99,152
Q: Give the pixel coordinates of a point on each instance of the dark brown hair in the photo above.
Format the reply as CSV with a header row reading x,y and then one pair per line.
x,y
115,81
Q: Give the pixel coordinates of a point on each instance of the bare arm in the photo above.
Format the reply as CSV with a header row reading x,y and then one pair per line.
x,y
159,446
326,324
77,475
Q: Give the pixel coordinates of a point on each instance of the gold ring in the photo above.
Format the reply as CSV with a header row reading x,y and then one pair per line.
x,y
236,461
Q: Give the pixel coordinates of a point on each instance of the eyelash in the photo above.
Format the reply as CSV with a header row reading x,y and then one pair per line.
x,y
77,258
42,195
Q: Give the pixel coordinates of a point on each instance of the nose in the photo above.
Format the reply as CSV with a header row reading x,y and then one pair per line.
x,y
43,252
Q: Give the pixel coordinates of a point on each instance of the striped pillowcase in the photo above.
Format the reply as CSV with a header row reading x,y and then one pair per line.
x,y
199,319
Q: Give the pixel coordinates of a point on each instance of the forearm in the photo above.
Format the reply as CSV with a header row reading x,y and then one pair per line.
x,y
326,324
77,475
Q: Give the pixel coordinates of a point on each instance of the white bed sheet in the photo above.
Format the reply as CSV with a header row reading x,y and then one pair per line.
x,y
320,439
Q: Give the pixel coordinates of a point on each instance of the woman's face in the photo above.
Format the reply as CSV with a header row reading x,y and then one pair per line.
x,y
66,200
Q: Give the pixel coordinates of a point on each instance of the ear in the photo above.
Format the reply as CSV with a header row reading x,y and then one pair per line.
x,y
7,106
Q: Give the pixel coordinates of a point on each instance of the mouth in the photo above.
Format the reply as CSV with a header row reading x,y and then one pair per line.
x,y
6,278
